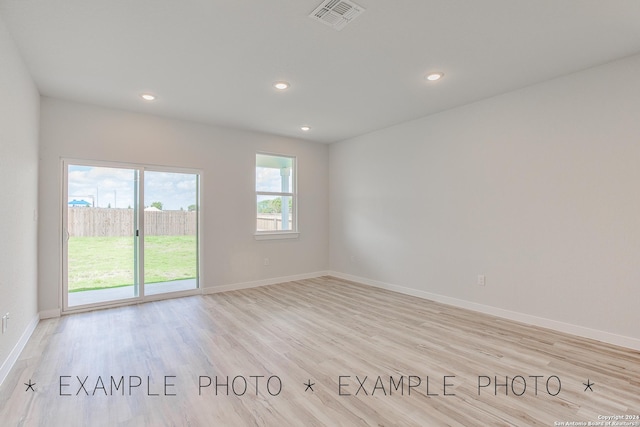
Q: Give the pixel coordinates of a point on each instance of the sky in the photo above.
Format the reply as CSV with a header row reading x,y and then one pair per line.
x,y
104,187
269,179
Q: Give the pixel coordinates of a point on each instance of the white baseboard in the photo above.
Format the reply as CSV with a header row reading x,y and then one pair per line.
x,y
50,314
264,282
607,337
17,349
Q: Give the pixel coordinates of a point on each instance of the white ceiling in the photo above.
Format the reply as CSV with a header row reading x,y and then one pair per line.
x,y
214,61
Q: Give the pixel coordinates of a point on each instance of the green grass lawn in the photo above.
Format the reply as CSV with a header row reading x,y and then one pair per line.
x,y
107,262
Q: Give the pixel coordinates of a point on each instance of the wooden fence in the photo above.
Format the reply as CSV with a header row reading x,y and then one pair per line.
x,y
270,222
110,222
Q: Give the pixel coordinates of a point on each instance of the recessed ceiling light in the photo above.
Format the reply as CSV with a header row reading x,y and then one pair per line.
x,y
281,85
432,77
148,97
305,128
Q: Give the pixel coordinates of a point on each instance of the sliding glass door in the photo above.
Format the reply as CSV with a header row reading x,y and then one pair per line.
x,y
170,232
128,233
101,241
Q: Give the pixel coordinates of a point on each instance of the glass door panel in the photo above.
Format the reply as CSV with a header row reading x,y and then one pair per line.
x,y
170,232
101,245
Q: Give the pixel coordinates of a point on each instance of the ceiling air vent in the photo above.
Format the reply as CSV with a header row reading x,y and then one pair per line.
x,y
336,13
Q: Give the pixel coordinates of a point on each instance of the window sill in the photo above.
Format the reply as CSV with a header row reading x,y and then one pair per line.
x,y
277,236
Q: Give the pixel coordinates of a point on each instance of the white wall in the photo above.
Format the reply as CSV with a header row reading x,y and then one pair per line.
x,y
538,189
19,111
230,253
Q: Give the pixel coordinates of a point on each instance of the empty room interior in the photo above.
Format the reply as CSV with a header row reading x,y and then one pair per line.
x,y
323,213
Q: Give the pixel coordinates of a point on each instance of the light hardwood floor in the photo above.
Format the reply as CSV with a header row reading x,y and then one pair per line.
x,y
318,330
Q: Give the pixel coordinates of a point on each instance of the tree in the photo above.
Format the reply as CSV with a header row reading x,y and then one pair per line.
x,y
272,206
192,208
157,205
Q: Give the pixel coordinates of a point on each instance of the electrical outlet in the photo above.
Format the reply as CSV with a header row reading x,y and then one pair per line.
x,y
481,280
266,261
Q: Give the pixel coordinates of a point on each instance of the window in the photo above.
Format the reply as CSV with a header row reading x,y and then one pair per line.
x,y
275,196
